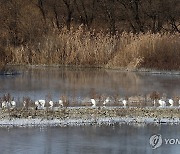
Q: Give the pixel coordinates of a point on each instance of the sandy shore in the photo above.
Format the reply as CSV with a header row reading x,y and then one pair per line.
x,y
76,116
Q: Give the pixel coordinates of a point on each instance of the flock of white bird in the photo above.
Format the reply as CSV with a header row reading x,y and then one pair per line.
x,y
40,104
160,102
6,104
163,103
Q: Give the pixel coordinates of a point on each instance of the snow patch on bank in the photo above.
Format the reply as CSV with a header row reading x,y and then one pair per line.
x,y
79,122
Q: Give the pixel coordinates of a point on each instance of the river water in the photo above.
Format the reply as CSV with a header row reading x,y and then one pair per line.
x,y
117,139
38,82
77,83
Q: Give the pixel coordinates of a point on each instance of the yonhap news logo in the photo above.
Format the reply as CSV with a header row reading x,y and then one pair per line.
x,y
156,141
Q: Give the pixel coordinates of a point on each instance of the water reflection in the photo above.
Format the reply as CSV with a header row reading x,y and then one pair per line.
x,y
87,139
38,82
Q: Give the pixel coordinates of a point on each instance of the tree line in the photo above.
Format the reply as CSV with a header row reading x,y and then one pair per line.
x,y
24,22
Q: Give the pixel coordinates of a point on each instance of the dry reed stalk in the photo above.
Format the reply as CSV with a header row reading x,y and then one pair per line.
x,y
86,48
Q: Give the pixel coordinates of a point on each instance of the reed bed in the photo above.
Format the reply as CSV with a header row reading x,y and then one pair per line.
x,y
155,51
80,47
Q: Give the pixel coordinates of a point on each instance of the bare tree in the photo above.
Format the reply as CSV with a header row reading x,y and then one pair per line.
x,y
70,9
40,5
56,15
86,11
172,14
133,12
109,10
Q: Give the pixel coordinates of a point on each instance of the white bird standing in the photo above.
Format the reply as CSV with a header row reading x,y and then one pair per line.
x,y
38,105
93,102
13,104
61,103
8,104
24,103
162,103
154,102
51,104
124,103
42,103
171,102
4,104
106,101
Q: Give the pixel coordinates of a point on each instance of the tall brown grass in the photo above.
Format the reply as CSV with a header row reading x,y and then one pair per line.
x,y
89,48
157,51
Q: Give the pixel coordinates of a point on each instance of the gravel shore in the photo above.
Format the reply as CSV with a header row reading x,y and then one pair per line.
x,y
76,116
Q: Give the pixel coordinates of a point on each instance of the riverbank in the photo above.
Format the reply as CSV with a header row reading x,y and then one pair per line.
x,y
13,68
77,116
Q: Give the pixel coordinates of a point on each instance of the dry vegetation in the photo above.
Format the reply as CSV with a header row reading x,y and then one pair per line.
x,y
157,51
102,33
84,48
